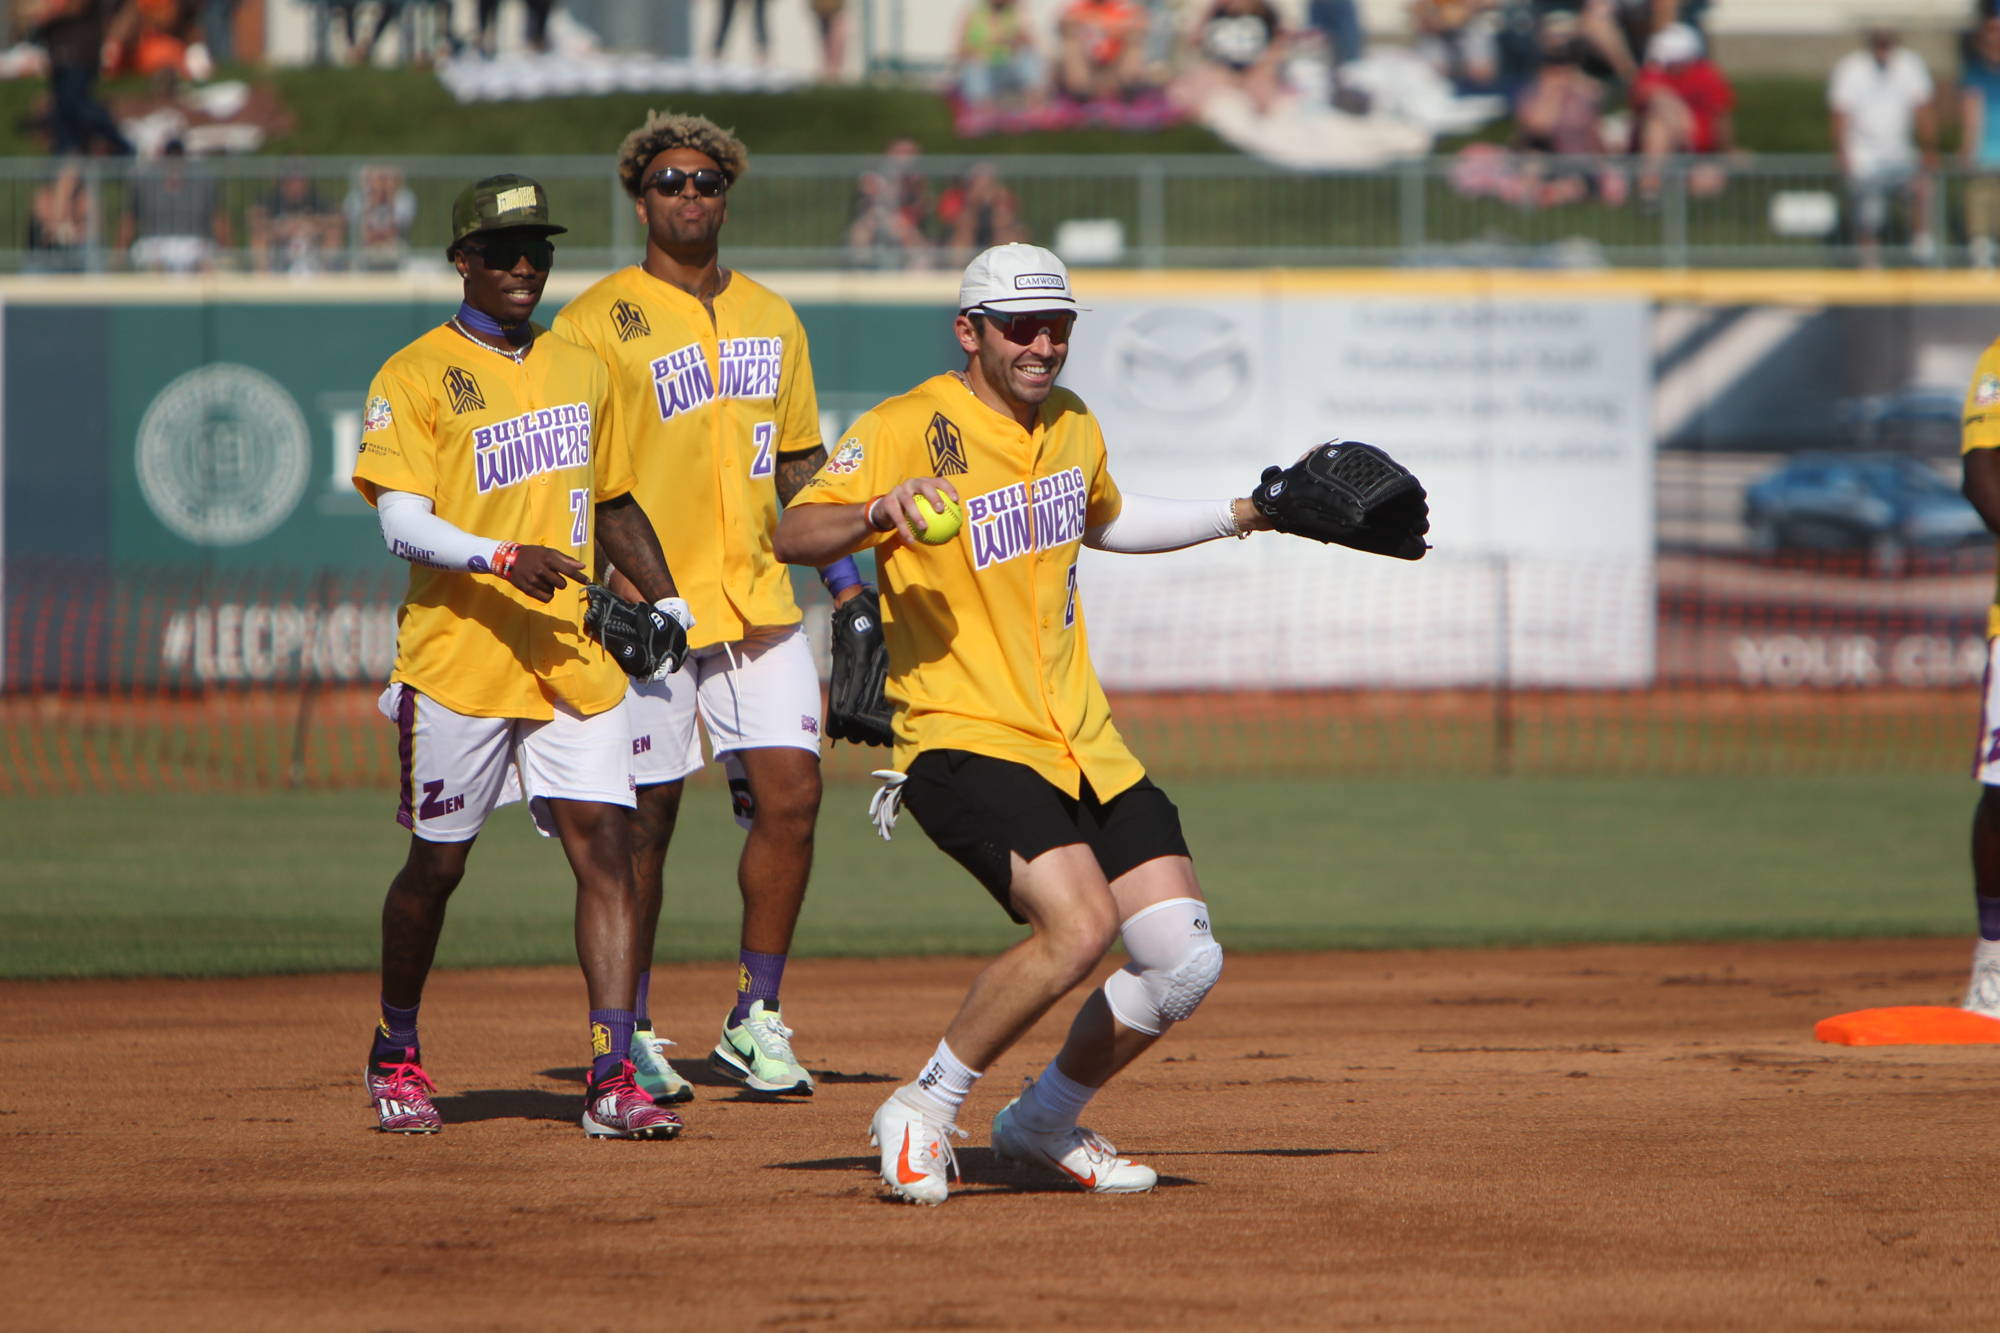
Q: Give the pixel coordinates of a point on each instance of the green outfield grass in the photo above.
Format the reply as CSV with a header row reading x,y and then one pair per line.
x,y
209,885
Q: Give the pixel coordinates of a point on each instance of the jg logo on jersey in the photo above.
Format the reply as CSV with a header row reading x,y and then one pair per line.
x,y
750,368
223,455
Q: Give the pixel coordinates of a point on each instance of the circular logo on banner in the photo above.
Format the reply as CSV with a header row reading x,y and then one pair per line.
x,y
223,455
1180,363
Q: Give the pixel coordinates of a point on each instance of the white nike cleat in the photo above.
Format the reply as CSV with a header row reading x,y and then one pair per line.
x,y
1076,1152
916,1149
1983,995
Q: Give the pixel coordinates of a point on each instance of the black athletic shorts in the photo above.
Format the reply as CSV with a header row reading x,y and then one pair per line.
x,y
978,809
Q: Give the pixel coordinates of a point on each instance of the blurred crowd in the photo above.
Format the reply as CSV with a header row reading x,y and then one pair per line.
x,y
898,221
173,218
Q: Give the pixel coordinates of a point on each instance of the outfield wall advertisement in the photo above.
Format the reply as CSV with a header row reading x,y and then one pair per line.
x,y
177,504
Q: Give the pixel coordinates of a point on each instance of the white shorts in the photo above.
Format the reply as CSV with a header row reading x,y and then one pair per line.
x,y
760,692
457,769
1986,760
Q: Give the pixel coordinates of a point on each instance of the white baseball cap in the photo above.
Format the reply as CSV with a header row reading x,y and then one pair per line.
x,y
1016,278
1673,44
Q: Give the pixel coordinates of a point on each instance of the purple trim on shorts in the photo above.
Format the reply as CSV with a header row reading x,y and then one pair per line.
x,y
1985,722
406,754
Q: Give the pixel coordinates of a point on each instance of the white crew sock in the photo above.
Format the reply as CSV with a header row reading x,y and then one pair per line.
x,y
945,1082
1053,1102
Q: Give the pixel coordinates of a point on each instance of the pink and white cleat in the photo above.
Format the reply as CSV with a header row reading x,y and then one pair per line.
x,y
402,1096
616,1108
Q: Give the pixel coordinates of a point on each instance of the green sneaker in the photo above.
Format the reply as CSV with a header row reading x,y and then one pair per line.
x,y
758,1054
655,1077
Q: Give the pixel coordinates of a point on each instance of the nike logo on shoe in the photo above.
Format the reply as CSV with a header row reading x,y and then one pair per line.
x,y
1089,1182
903,1172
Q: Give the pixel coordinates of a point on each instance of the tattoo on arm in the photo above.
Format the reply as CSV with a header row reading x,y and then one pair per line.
x,y
795,469
626,535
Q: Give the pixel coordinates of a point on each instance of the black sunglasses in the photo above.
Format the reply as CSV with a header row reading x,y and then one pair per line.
x,y
672,181
1022,329
503,253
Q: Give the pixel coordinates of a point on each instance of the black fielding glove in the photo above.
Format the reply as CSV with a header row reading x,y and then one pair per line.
x,y
857,711
1349,494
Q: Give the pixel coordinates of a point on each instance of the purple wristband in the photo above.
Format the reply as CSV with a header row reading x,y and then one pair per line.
x,y
840,575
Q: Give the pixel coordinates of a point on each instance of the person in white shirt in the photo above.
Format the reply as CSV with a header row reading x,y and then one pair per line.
x,y
1877,98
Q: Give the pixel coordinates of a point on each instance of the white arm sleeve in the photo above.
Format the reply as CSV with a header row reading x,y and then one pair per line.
x,y
416,534
1147,524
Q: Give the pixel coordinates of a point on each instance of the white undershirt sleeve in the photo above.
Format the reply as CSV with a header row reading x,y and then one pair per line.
x,y
1147,524
414,533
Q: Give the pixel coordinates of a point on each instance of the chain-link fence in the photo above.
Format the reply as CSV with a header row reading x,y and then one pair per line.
x,y
1483,207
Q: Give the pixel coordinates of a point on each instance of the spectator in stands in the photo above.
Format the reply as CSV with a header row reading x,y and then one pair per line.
x,y
1877,97
891,208
832,17
361,50
1596,40
1236,45
158,37
538,23
173,222
72,32
380,210
758,21
1103,49
1559,112
290,231
979,213
997,59
59,223
1683,104
1979,142
1461,38
1340,24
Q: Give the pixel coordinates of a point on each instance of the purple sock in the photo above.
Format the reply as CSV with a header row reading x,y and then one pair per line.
x,y
1989,922
610,1040
757,978
396,1038
644,1015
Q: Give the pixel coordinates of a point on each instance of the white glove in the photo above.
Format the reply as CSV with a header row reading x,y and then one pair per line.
x,y
887,802
678,609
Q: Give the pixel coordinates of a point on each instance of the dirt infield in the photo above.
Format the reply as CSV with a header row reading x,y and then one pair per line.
x,y
1563,1138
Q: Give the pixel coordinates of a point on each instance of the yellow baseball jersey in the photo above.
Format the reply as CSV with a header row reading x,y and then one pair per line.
x,y
516,452
707,405
1982,431
987,649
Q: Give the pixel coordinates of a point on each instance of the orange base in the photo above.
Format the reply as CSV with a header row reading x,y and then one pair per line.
x,y
1909,1025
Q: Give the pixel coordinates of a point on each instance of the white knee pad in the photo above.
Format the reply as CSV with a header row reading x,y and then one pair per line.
x,y
1175,961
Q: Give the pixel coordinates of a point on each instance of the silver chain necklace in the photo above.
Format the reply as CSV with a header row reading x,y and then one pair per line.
x,y
508,352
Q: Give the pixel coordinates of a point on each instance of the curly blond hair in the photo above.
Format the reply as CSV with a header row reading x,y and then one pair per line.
x,y
666,130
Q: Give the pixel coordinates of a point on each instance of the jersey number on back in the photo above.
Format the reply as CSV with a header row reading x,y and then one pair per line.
x,y
579,508
764,463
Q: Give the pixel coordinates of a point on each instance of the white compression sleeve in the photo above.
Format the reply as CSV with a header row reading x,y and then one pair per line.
x,y
1147,524
415,533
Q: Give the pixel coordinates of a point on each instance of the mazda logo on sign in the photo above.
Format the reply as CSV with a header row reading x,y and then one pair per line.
x,y
1180,363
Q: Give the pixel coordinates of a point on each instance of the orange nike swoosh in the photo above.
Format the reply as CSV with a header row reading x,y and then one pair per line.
x,y
903,1172
1088,1182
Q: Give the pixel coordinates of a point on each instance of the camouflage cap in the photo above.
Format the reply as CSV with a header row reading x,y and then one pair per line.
x,y
499,202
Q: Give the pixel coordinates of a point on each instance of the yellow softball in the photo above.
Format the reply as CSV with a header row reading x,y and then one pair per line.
x,y
938,528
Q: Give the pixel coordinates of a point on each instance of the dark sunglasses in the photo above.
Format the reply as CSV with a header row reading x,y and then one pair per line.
x,y
503,253
1022,329
672,181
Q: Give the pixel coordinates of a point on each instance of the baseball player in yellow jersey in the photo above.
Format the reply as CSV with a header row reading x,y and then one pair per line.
x,y
715,394
492,454
1008,756
1981,445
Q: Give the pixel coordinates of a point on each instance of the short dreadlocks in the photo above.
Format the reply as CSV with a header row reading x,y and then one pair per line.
x,y
666,130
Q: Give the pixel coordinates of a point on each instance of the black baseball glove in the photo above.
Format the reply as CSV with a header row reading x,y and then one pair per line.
x,y
1351,494
643,639
856,709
